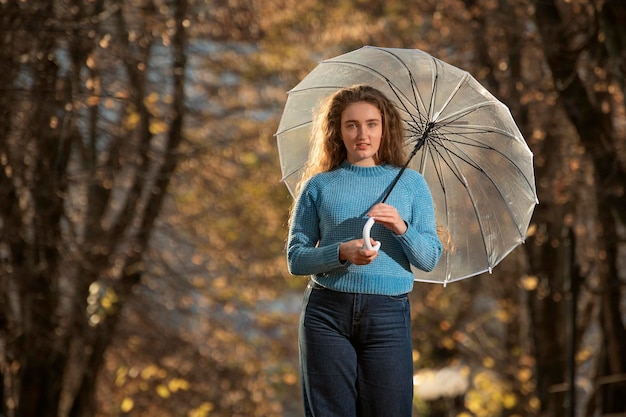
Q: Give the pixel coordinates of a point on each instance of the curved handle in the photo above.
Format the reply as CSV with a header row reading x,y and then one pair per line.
x,y
366,235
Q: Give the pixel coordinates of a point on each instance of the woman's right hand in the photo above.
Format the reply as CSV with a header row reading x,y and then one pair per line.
x,y
355,252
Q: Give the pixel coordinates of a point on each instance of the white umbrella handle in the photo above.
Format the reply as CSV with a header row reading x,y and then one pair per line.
x,y
366,235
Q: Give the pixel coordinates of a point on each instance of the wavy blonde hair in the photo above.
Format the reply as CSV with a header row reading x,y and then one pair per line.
x,y
328,151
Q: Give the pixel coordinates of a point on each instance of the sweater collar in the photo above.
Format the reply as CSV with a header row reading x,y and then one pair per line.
x,y
365,171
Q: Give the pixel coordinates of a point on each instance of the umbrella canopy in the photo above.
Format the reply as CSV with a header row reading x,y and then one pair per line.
x,y
463,140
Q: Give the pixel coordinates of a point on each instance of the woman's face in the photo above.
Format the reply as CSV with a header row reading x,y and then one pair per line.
x,y
361,132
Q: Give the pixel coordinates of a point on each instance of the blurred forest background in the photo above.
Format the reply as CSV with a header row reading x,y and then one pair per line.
x,y
143,222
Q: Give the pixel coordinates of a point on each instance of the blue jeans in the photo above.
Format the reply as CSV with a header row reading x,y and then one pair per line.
x,y
355,354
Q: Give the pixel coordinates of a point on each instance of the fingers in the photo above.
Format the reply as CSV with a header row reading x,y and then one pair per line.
x,y
362,255
365,257
354,252
383,212
389,217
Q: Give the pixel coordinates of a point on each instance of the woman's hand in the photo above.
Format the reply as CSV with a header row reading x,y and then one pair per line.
x,y
389,217
354,251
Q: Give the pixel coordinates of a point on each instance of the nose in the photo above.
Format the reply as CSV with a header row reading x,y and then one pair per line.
x,y
361,132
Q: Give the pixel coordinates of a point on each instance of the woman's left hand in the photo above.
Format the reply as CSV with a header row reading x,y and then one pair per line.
x,y
389,217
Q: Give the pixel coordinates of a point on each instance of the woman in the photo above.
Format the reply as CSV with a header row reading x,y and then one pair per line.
x,y
355,332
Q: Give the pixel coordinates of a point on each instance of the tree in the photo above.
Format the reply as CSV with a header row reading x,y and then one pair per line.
x,y
89,144
586,57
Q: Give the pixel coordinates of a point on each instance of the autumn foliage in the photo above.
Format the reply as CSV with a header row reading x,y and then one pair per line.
x,y
143,222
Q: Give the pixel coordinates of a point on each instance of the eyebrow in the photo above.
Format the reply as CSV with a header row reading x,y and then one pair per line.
x,y
368,120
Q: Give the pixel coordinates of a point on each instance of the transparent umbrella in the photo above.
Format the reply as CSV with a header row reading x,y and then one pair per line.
x,y
461,138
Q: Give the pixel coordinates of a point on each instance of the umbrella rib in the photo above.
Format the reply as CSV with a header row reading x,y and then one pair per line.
x,y
456,172
398,93
473,128
438,171
477,129
289,174
463,112
451,96
472,142
434,145
281,132
465,158
417,97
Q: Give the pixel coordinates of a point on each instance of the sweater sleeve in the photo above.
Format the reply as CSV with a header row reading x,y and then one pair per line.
x,y
420,242
304,255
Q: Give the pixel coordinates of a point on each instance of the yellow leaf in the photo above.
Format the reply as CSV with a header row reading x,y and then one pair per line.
x,y
197,259
149,371
583,354
120,377
109,300
488,362
530,282
248,158
93,101
127,404
202,411
524,374
535,403
509,400
162,373
177,384
162,391
219,282
151,99
473,400
290,378
448,343
158,126
132,120
198,282
502,315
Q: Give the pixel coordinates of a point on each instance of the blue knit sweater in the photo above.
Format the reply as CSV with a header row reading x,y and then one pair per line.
x,y
332,208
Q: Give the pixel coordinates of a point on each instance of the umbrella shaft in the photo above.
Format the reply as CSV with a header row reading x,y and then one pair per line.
x,y
416,148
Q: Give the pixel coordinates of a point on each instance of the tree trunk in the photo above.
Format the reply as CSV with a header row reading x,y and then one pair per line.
x,y
84,404
595,130
53,238
547,311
